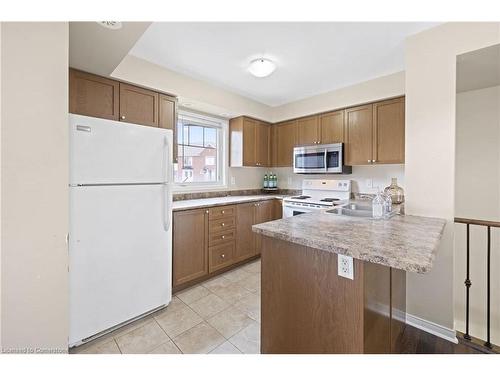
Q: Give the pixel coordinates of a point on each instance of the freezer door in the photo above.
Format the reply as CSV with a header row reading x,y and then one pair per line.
x,y
120,255
112,152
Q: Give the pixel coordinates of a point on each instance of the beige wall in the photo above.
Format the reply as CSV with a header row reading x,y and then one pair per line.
x,y
477,195
205,97
34,172
430,150
379,88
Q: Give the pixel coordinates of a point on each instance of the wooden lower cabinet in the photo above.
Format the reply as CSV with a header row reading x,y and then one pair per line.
x,y
245,238
221,256
307,308
209,240
190,245
264,212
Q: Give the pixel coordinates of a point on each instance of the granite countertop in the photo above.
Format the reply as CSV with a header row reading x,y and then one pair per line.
x,y
190,204
407,242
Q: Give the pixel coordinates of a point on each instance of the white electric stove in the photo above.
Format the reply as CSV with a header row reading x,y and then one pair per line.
x,y
317,195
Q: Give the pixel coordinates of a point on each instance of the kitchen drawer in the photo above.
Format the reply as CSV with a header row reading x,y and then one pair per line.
x,y
221,256
219,225
220,212
221,237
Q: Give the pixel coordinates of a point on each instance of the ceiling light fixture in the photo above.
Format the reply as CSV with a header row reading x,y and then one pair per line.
x,y
113,25
261,67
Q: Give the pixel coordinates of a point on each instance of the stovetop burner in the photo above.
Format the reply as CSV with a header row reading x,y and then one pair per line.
x,y
329,199
301,197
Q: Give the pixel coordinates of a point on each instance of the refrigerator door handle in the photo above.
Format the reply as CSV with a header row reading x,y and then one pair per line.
x,y
167,207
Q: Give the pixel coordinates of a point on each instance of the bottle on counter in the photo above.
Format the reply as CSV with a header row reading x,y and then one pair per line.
x,y
387,204
275,181
378,206
266,181
396,193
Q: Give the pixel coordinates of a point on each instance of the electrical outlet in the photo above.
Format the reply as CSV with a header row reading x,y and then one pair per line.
x,y
345,266
289,181
233,180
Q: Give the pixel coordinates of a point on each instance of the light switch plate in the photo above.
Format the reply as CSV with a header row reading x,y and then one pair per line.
x,y
345,266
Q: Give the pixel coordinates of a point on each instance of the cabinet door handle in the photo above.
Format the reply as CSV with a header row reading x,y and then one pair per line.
x,y
223,236
223,256
222,211
369,161
206,211
223,224
122,117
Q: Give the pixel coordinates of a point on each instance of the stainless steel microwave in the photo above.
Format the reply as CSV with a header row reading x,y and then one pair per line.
x,y
320,159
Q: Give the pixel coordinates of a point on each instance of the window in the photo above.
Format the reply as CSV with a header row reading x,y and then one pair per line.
x,y
200,141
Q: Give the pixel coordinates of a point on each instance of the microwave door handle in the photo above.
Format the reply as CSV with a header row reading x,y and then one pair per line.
x,y
326,160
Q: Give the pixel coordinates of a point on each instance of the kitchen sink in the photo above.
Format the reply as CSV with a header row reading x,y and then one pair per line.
x,y
352,210
356,210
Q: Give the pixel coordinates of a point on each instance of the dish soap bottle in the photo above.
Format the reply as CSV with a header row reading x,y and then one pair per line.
x,y
266,181
378,206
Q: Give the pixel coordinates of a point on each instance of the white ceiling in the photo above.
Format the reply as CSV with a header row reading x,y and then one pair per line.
x,y
478,69
98,50
311,58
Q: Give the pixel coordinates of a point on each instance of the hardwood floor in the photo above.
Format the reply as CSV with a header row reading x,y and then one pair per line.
x,y
416,341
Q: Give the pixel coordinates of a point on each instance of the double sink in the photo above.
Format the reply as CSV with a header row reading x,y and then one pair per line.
x,y
357,209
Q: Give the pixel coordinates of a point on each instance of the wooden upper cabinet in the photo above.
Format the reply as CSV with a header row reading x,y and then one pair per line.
x,y
190,245
307,130
250,142
285,139
91,95
389,131
331,127
263,144
138,105
359,135
167,118
167,115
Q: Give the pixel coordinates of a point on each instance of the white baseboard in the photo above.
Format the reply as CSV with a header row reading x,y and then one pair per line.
x,y
432,328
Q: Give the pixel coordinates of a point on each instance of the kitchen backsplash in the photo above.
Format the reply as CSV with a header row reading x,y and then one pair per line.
x,y
248,181
365,179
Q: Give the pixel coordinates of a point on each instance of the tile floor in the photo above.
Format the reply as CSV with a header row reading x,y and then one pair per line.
x,y
219,316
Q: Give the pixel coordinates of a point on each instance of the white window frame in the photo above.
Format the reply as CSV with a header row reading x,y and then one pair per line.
x,y
222,153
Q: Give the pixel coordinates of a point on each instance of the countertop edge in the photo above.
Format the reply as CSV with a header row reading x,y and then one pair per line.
x,y
399,264
242,199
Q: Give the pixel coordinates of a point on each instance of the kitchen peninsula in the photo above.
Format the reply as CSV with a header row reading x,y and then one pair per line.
x,y
308,308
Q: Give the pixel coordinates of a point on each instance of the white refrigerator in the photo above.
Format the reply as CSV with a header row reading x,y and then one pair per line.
x,y
120,236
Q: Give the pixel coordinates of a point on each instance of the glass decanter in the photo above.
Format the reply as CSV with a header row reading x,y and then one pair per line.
x,y
396,192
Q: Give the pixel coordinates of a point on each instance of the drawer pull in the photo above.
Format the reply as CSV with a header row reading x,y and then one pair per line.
x,y
223,224
223,256
222,211
223,236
